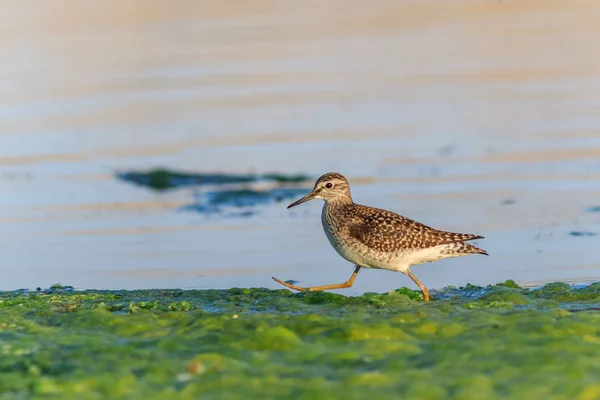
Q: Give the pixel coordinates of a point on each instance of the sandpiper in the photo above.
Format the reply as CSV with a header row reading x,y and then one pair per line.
x,y
375,238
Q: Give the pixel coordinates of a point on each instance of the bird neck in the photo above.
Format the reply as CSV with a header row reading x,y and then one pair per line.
x,y
338,202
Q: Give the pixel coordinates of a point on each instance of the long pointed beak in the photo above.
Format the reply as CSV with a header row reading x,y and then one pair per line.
x,y
306,198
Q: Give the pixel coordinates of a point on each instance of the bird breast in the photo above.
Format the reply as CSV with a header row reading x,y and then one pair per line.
x,y
339,238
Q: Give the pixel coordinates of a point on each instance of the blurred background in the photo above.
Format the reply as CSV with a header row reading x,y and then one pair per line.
x,y
155,144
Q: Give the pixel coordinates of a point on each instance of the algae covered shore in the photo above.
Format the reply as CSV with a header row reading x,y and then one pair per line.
x,y
469,343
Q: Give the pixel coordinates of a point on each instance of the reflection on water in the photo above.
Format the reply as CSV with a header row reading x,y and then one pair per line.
x,y
162,179
234,191
580,233
242,198
467,116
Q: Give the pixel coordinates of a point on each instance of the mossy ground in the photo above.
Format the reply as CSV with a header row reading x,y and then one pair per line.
x,y
469,343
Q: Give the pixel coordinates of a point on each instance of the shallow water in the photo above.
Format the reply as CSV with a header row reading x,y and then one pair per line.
x,y
479,117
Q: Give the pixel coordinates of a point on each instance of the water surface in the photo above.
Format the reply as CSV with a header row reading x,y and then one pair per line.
x,y
478,117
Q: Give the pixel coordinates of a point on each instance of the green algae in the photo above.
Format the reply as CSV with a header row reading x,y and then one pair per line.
x,y
493,342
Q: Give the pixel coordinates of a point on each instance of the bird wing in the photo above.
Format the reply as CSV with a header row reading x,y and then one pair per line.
x,y
386,231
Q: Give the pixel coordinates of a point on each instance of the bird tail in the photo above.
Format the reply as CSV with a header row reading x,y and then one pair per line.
x,y
460,248
466,237
470,249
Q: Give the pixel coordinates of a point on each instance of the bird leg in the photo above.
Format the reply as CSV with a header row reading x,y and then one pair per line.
x,y
420,285
344,285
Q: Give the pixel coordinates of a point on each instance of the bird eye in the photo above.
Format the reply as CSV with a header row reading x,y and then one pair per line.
x,y
329,185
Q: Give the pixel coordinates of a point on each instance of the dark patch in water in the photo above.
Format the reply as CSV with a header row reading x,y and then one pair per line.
x,y
508,202
164,179
218,201
250,198
595,209
239,192
201,208
580,233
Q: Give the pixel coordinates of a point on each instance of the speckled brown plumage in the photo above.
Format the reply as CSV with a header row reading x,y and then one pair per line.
x,y
385,231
